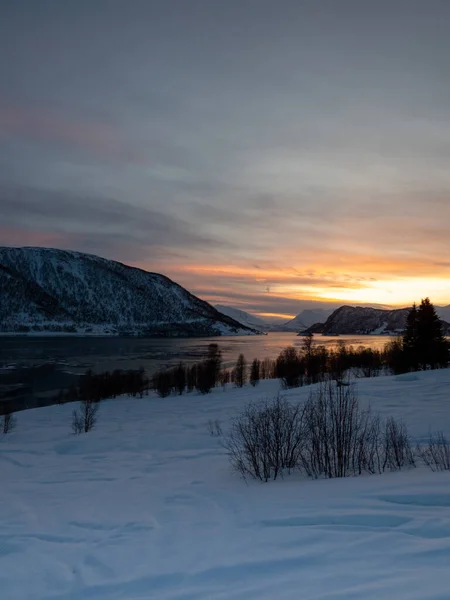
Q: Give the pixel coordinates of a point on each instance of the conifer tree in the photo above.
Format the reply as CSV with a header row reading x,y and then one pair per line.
x,y
410,339
432,347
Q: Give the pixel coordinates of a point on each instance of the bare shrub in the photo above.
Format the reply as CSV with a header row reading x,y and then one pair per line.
x,y
84,417
343,439
337,431
436,454
215,428
330,436
266,439
397,447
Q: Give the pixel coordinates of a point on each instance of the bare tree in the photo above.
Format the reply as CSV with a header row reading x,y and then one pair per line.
x,y
255,372
397,447
436,454
240,371
84,417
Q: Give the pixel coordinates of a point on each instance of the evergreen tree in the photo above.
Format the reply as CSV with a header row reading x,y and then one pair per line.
x,y
432,347
411,339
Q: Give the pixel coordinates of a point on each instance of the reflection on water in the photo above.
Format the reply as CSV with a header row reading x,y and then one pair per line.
x,y
47,364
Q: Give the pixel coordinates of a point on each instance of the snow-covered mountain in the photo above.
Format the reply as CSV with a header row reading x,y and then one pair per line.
x,y
443,312
243,317
360,319
307,318
48,290
365,320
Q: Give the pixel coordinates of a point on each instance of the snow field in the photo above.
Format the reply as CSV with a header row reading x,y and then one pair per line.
x,y
145,506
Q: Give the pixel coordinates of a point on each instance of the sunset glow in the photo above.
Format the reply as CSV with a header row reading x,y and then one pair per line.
x,y
299,161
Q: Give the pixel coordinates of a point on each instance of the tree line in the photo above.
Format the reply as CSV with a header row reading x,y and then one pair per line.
x,y
422,346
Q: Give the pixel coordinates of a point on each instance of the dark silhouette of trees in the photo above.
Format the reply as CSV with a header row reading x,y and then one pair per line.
x,y
255,372
240,371
214,363
162,383
424,344
289,367
411,339
179,377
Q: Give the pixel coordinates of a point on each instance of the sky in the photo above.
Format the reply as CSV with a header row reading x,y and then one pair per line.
x,y
269,155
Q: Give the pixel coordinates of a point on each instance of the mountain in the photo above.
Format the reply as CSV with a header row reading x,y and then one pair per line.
x,y
47,290
307,318
443,312
243,317
364,320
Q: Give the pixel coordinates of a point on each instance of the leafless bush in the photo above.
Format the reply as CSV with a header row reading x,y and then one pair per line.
x,y
436,454
341,437
397,447
266,439
215,428
84,417
331,436
9,422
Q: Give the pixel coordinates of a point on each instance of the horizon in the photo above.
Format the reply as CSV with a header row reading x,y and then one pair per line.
x,y
273,318
268,157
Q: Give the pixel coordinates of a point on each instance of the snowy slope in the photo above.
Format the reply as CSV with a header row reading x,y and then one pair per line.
x,y
146,507
243,317
43,289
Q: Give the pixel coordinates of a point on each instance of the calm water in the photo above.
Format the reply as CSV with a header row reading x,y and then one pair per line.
x,y
46,365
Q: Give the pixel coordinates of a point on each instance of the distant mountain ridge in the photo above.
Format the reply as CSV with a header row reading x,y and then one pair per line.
x,y
243,317
364,320
45,290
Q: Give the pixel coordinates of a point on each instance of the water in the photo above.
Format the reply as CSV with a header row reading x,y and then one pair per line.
x,y
45,365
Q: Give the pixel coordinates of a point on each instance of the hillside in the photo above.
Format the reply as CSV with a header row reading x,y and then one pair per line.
x,y
364,320
44,290
146,506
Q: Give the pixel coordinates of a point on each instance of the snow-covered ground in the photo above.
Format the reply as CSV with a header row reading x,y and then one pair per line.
x,y
145,506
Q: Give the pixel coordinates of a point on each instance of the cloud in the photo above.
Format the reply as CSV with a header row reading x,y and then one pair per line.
x,y
89,223
313,144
